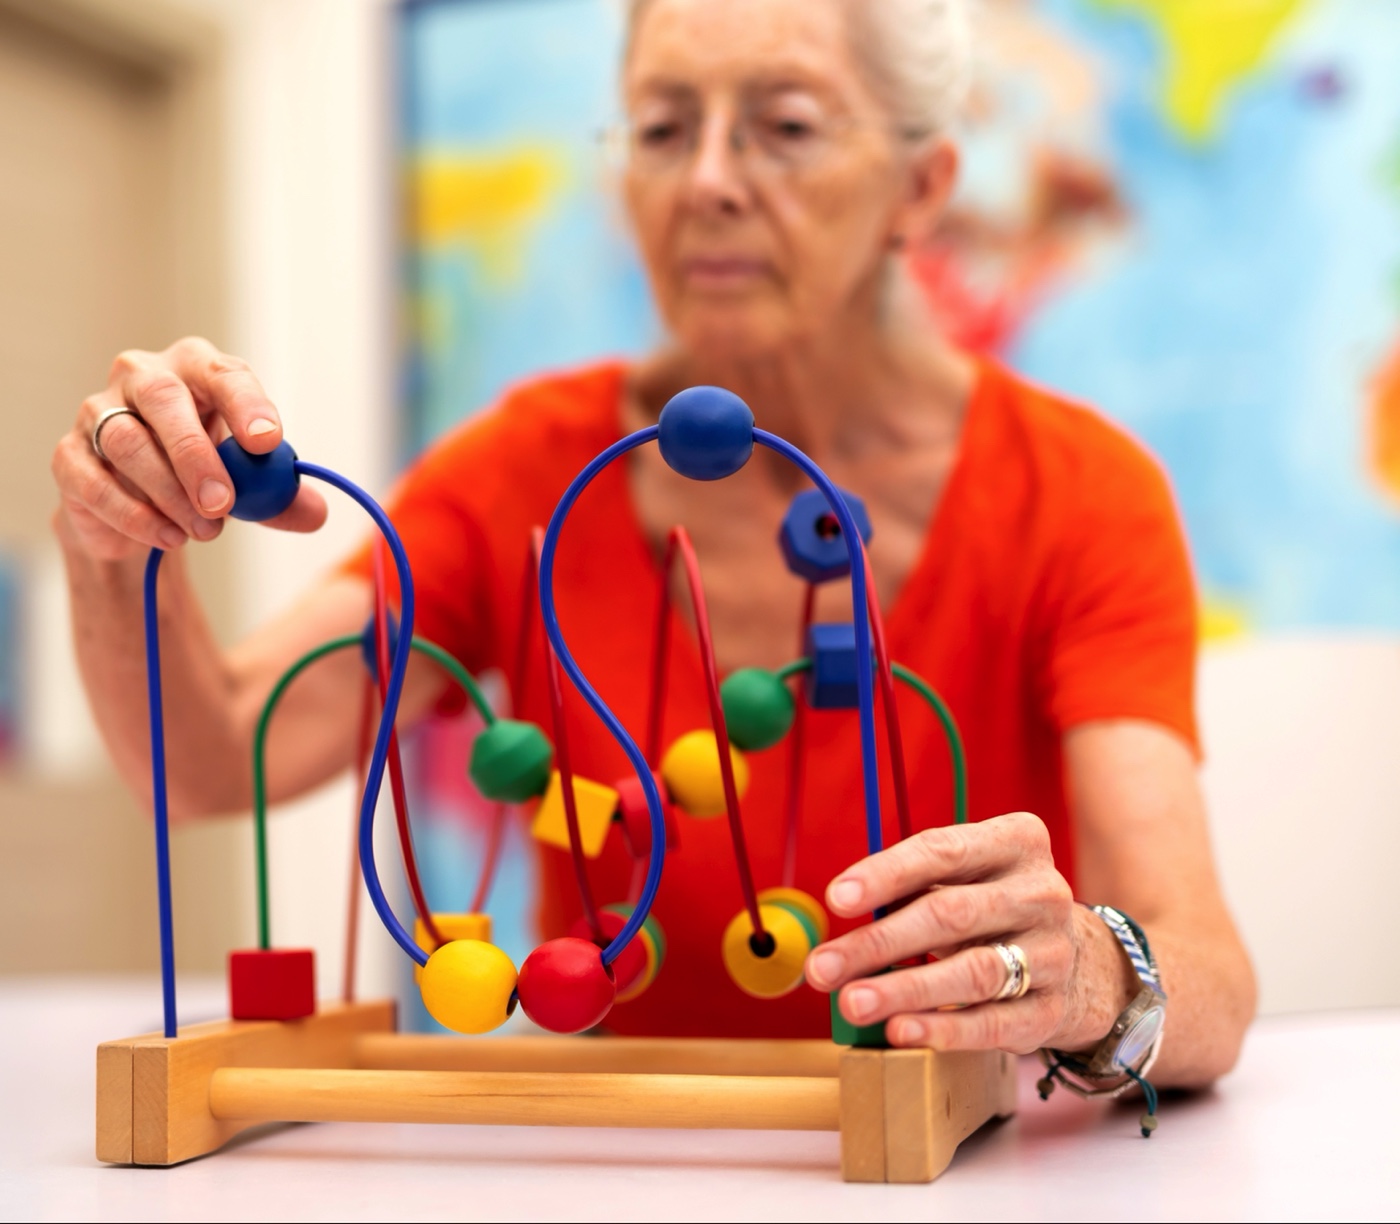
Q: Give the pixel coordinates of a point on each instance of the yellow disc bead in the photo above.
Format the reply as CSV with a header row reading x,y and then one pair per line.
x,y
808,905
467,986
691,770
772,976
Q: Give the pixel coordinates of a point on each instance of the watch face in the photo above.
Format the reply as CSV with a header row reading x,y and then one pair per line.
x,y
1139,1038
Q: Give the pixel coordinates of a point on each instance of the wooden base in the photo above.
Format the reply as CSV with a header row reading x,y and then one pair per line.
x,y
901,1113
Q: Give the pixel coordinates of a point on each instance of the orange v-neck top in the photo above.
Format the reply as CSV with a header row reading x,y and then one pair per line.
x,y
1053,588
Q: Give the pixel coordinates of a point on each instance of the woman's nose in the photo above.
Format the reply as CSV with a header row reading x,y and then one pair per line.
x,y
717,174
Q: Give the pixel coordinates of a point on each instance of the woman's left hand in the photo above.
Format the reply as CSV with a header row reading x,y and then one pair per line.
x,y
970,886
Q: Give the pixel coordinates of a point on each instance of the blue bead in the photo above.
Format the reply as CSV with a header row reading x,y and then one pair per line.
x,y
370,652
811,539
831,680
263,485
706,433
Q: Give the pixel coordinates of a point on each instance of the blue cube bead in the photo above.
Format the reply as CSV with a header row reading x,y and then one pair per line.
x,y
811,538
831,680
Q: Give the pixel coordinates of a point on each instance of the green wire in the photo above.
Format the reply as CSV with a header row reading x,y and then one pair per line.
x,y
422,646
945,718
950,729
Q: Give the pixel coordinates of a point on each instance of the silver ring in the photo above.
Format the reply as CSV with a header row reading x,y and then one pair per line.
x,y
1018,971
101,421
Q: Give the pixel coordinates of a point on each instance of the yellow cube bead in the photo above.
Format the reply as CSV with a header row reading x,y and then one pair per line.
x,y
450,927
779,973
595,803
691,770
467,986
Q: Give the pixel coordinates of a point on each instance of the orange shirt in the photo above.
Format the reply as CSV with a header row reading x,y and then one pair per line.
x,y
1053,588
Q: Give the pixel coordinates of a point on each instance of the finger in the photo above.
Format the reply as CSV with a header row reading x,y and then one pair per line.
x,y
958,854
164,402
940,921
94,537
227,386
133,454
973,976
96,490
307,513
1020,1026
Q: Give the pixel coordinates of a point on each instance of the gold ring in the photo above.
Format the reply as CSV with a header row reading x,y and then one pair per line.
x,y
1018,972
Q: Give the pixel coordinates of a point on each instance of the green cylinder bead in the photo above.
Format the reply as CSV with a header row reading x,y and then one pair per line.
x,y
758,708
511,761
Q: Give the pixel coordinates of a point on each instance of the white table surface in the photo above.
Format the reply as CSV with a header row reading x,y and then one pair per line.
x,y
1308,1127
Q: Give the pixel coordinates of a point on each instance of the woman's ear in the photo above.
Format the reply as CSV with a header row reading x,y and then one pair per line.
x,y
932,173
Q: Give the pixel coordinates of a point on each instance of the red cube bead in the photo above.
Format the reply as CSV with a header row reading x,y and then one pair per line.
x,y
632,810
272,983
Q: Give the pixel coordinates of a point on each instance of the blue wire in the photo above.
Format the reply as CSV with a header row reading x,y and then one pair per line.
x,y
609,719
865,670
159,792
374,778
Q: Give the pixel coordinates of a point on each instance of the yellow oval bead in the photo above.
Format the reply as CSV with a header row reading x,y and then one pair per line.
x,y
467,986
692,773
809,905
767,977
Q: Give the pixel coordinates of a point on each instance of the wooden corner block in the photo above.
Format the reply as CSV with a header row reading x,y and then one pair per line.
x,y
863,1115
934,1101
161,1086
114,1101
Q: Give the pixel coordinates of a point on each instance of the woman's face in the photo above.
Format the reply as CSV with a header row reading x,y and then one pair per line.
x,y
764,179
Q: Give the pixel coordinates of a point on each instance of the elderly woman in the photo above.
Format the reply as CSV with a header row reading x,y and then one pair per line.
x,y
779,156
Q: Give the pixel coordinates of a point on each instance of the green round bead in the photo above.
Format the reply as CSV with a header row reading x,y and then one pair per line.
x,y
511,761
758,708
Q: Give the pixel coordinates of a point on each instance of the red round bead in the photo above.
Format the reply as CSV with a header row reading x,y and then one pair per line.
x,y
632,962
564,986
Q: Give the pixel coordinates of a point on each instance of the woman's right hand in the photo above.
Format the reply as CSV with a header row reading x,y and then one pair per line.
x,y
163,482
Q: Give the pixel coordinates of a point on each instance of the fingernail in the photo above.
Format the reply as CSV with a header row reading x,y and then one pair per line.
x,y
912,1032
827,966
846,893
204,530
213,496
261,426
861,1001
171,537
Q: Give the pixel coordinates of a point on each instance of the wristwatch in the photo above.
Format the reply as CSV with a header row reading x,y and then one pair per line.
x,y
1124,1057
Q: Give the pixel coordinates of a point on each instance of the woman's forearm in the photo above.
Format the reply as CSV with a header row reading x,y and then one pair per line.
x,y
205,750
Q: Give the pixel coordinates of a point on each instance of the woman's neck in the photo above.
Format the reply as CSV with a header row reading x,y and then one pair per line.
x,y
858,386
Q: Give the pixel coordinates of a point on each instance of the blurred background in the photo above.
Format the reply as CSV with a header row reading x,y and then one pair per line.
x,y
1186,212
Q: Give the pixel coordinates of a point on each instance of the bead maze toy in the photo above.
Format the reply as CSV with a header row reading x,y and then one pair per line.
x,y
165,1098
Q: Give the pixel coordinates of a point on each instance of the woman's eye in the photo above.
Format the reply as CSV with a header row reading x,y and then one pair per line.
x,y
659,134
791,131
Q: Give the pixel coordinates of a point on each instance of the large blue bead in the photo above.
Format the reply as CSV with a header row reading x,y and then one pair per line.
x,y
706,433
263,485
811,538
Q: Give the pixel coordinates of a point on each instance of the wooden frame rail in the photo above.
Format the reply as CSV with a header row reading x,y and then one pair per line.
x,y
901,1113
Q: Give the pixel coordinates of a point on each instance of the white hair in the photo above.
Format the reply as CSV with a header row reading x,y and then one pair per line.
x,y
917,55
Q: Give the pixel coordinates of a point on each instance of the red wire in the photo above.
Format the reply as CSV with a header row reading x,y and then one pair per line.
x,y
494,841
352,907
566,773
887,699
679,542
381,650
660,662
797,750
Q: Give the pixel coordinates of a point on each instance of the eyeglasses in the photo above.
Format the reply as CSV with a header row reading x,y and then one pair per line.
x,y
777,144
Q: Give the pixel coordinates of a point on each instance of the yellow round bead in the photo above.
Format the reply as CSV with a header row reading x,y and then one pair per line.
x,y
806,904
467,986
692,774
779,973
